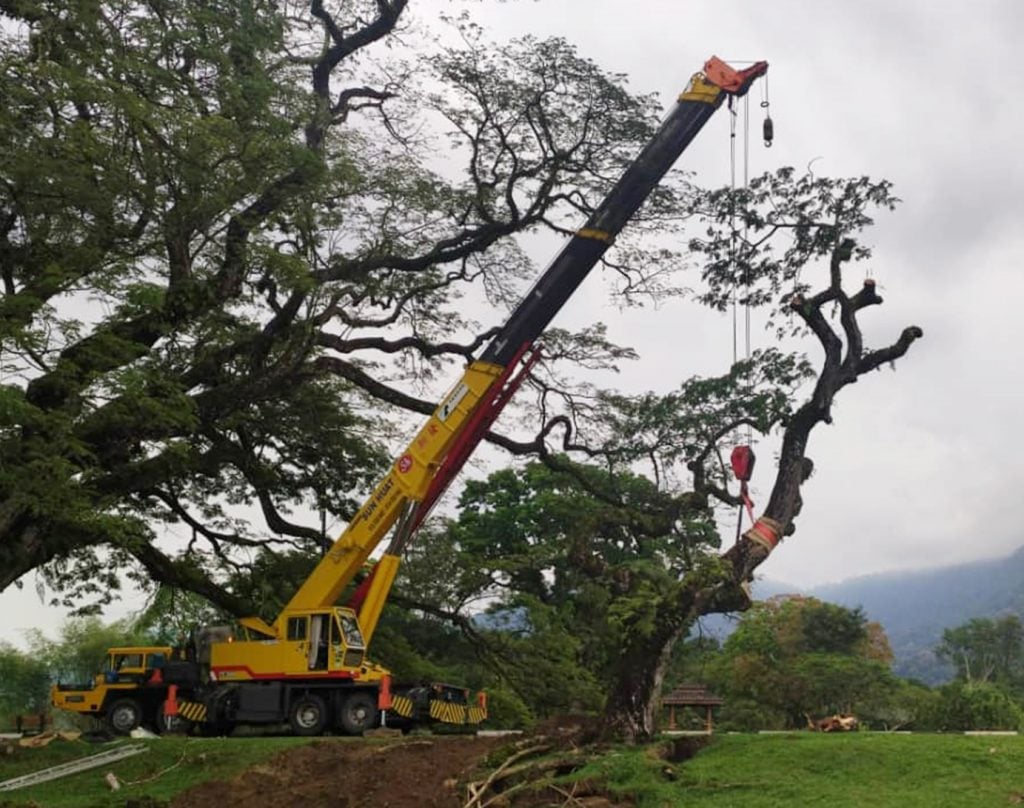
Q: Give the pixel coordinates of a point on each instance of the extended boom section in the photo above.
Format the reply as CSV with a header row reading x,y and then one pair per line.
x,y
563,276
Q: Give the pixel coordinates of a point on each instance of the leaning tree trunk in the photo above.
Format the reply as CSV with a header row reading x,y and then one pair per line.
x,y
631,713
631,710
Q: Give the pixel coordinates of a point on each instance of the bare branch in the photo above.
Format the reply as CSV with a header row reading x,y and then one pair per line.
x,y
886,355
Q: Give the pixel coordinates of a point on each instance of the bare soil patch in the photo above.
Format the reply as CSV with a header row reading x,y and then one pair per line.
x,y
408,773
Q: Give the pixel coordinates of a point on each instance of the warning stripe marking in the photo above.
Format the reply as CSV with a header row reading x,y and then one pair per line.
x,y
449,713
402,705
191,710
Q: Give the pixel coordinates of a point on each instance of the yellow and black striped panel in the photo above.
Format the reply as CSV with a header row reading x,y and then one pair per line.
x,y
192,710
448,712
402,705
475,715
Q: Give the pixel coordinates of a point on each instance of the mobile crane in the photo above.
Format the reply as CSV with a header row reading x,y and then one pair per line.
x,y
309,666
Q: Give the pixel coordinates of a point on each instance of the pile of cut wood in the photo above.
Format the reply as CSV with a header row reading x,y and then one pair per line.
x,y
834,723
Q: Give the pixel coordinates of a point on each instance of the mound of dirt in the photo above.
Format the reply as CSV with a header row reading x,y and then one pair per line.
x,y
410,773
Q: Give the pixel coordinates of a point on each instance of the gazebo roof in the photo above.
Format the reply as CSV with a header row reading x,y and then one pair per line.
x,y
692,695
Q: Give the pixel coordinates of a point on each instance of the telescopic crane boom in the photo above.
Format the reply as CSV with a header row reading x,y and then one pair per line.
x,y
420,474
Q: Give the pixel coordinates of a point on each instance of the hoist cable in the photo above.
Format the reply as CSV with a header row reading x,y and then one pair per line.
x,y
732,227
746,234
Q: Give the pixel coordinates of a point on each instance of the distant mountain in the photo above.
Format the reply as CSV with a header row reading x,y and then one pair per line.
x,y
914,607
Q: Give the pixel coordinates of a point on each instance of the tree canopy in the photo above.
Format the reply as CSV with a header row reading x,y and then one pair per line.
x,y
234,237
986,650
793,658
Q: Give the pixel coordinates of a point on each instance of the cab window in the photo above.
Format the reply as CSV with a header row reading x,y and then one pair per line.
x,y
126,661
297,628
350,631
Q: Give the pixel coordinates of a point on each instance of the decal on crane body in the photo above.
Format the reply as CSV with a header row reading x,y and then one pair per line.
x,y
378,498
449,406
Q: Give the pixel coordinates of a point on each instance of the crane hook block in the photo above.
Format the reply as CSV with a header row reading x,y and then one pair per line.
x,y
768,131
742,460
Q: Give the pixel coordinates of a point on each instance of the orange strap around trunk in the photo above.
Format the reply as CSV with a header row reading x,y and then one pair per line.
x,y
765,532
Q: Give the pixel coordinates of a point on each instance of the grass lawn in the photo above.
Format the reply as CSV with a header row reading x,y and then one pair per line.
x,y
852,771
855,770
187,761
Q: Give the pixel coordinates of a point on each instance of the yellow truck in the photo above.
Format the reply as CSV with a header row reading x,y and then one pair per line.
x,y
127,693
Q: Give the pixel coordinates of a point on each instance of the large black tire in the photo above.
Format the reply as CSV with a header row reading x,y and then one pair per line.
x,y
358,713
308,715
123,715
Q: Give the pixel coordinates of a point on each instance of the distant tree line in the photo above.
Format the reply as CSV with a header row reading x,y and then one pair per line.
x,y
790,660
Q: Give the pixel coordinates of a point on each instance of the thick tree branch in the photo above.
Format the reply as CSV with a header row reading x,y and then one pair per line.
x,y
886,355
423,347
182,575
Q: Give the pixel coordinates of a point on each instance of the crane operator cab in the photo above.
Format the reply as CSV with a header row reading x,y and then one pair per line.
x,y
311,643
334,639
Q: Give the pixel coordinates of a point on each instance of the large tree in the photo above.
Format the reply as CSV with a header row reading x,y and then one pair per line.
x,y
986,650
782,243
659,557
233,238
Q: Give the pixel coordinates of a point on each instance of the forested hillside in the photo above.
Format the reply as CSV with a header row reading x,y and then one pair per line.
x,y
915,607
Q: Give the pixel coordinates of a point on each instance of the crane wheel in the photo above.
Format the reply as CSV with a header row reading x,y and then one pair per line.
x,y
124,715
358,713
308,715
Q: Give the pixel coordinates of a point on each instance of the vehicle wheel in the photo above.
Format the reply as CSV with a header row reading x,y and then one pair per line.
x,y
308,715
123,716
358,713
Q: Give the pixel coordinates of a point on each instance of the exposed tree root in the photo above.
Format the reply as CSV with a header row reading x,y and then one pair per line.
x,y
530,776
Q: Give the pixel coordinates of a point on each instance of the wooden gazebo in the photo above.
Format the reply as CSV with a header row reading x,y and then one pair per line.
x,y
691,695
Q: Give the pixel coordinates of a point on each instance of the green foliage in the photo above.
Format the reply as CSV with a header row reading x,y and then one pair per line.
x,y
571,564
818,214
81,647
271,579
224,271
829,628
171,614
900,705
797,657
975,706
582,571
986,650
24,683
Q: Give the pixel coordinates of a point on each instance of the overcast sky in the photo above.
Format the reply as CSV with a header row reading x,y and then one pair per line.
x,y
920,467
